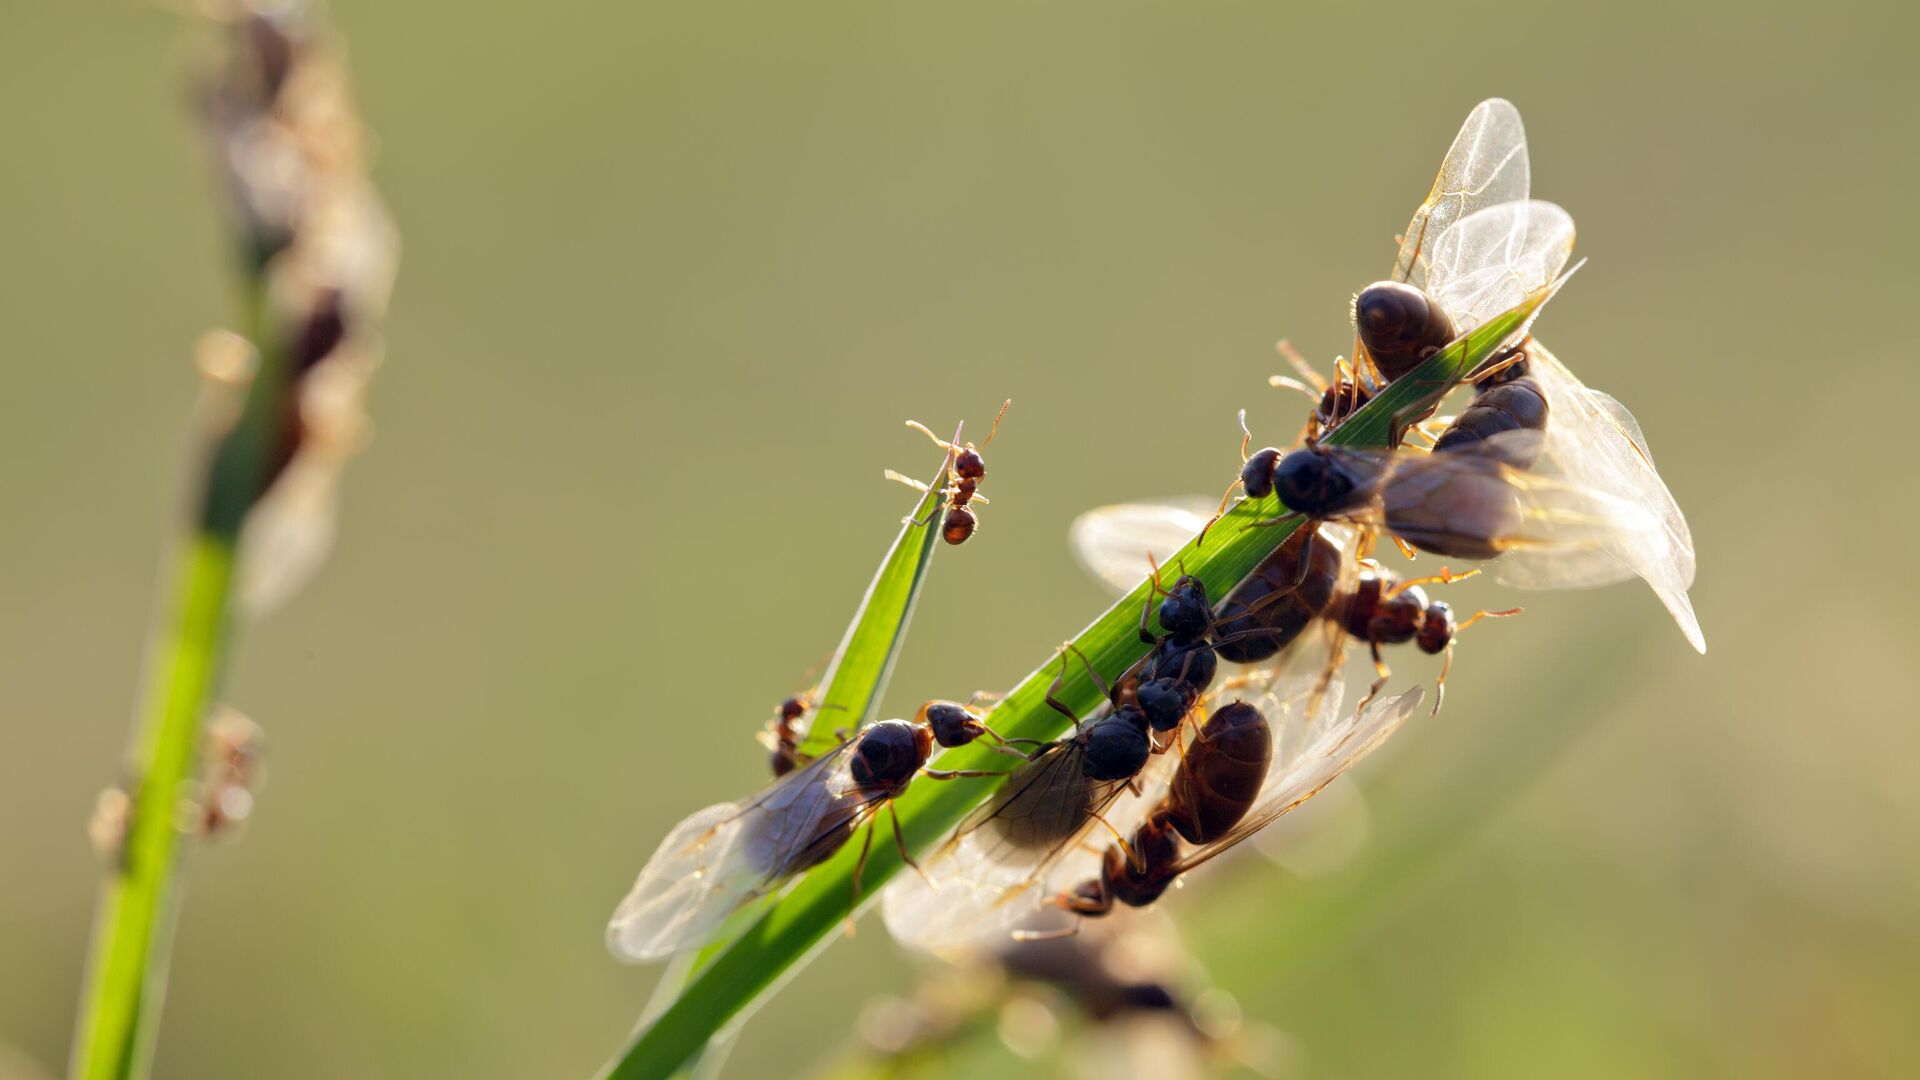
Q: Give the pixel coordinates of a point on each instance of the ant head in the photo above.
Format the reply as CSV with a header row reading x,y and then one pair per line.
x,y
951,723
1436,630
1256,475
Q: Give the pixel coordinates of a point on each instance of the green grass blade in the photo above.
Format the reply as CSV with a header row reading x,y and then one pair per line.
x,y
855,681
804,920
850,692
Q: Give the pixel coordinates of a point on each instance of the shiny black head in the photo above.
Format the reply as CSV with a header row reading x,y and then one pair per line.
x,y
952,723
1165,702
1185,613
886,755
1399,325
1312,482
1256,476
792,709
1117,746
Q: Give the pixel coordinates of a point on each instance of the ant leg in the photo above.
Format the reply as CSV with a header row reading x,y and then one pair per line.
x,y
1133,857
1291,355
933,512
859,868
1282,382
899,477
1501,361
1008,742
1478,615
900,842
1146,605
1106,691
1291,515
1003,748
1373,373
1406,549
1226,497
959,774
928,432
1444,577
1058,681
1440,684
1380,669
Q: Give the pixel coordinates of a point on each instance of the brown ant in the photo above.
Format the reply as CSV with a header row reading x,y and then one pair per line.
x,y
968,469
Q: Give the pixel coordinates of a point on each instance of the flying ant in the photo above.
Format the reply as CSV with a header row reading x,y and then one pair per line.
x,y
725,855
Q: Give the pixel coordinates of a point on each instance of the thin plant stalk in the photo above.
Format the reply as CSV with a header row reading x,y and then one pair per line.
x,y
317,251
133,923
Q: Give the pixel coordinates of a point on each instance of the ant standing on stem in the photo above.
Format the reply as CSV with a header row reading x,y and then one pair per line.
x,y
969,468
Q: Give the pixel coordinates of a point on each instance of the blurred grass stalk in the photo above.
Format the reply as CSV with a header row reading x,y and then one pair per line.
x,y
793,930
318,254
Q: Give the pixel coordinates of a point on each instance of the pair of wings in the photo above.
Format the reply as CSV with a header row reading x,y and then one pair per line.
x,y
1478,244
728,854
978,887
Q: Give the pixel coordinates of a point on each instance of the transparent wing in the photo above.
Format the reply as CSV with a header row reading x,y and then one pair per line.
x,y
1486,166
1594,443
1470,504
1491,260
723,856
1310,750
1114,542
1039,835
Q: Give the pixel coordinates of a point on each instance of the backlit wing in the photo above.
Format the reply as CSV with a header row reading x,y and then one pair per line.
x,y
1008,859
725,855
1485,166
1310,751
1471,501
1593,443
1490,261
1114,542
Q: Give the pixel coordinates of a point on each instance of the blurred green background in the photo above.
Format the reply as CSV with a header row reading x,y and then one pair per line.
x,y
659,254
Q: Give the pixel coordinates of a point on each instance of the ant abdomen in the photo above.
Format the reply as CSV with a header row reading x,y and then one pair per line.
x,y
1400,326
1514,405
1221,775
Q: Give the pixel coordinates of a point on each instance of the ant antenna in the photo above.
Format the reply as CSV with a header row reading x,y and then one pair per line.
x,y
995,429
